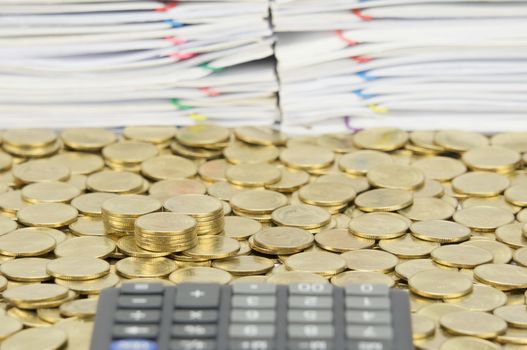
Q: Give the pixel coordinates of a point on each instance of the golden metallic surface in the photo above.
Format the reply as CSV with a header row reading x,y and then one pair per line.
x,y
168,167
501,253
78,268
307,157
202,135
49,192
370,260
428,208
459,141
240,152
78,332
253,175
94,247
80,163
24,242
422,326
244,265
9,326
340,240
164,189
7,225
384,199
214,247
440,231
322,263
440,168
327,194
90,287
512,235
440,284
408,247
514,315
88,226
112,181
152,134
47,215
87,139
33,293
469,343
482,298
301,216
491,158
362,161
28,317
82,308
460,256
396,176
26,269
259,135
473,323
294,277
41,170
381,139
483,218
133,267
480,184
348,277
200,275
281,240
241,228
36,338
502,276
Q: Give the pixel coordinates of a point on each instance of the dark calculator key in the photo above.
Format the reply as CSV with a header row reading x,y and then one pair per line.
x,y
367,289
253,316
135,331
369,332
192,344
368,317
310,302
310,316
251,330
315,344
254,344
140,302
133,344
138,316
307,331
196,316
194,331
198,296
370,345
253,288
253,301
142,288
368,303
311,289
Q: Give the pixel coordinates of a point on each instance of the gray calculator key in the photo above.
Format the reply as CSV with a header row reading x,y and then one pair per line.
x,y
311,289
192,344
310,302
369,344
198,296
254,288
195,316
369,332
138,316
252,344
307,331
135,331
142,288
315,344
368,303
366,289
251,330
194,331
140,302
254,301
253,316
310,316
368,317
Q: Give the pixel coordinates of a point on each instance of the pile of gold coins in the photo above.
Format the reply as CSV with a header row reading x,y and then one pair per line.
x,y
440,214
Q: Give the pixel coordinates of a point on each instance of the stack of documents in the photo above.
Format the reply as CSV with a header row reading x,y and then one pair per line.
x,y
406,63
109,63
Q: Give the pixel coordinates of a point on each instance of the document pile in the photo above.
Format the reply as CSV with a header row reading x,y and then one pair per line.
x,y
111,63
405,63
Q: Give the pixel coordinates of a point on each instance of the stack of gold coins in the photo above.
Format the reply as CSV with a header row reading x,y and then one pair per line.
x,y
257,204
119,213
208,211
332,196
30,143
128,155
202,141
165,232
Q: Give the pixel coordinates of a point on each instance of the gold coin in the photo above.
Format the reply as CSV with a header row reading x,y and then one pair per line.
x,y
497,201
307,157
353,277
253,175
80,163
239,152
461,256
78,268
83,308
480,184
36,338
9,326
408,247
491,158
244,265
47,215
326,193
27,138
501,253
214,170
93,247
440,168
301,215
26,269
41,170
128,246
428,208
259,135
214,247
462,343
168,167
358,183
422,327
483,218
91,203
33,293
87,139
6,161
11,202
378,226
510,140
513,336
28,317
341,240
440,231
197,206
520,256
200,275
7,225
383,199
380,139
290,181
473,323
241,228
88,226
322,263
370,260
502,276
440,284
408,268
3,283
26,242
115,182
258,201
129,152
165,223
512,235
459,141
282,239
90,287
337,142
360,162
79,332
482,298
437,310
517,195
49,192
514,315
295,277
153,134
202,135
165,189
396,176
145,267
50,315
431,188
130,206
198,153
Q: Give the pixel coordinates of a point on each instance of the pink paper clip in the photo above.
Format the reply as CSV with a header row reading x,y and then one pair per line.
x,y
182,55
174,40
358,13
209,92
169,5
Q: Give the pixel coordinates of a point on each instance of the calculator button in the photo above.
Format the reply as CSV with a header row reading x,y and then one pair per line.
x,y
251,331
142,288
253,301
202,296
133,331
311,289
319,344
309,316
255,344
368,317
369,345
133,344
192,344
253,288
194,331
373,303
310,302
319,331
195,316
140,302
253,316
137,316
366,289
369,332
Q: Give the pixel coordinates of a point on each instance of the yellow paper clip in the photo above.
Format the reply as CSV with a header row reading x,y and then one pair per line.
x,y
377,109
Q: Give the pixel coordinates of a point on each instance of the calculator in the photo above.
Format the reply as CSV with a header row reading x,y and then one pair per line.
x,y
145,316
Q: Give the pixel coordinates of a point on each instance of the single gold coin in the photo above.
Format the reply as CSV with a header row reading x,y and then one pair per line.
x,y
358,183
405,269
290,181
473,323
24,242
152,134
168,167
440,231
301,215
6,161
41,170
90,203
28,317
431,188
422,326
7,225
115,182
241,228
483,298
240,152
510,140
200,275
326,193
378,226
337,142
90,287
353,277
260,135
295,277
502,276
82,308
92,247
514,315
202,135
3,282
322,263
340,240
383,199
517,195
32,293
9,326
87,139
440,284
165,189
78,268
360,162
253,175
165,223
244,265
49,192
50,315
480,184
520,256
132,267
306,157
214,247
370,260
501,253
380,139
26,269
513,338
461,256
224,190
460,343
396,176
440,168
459,141
483,218
282,240
88,226
491,158
11,202
57,235
47,215
214,170
80,163
512,235
408,247
428,208
436,310
129,152
79,331
496,201
49,338
194,205
258,201
130,206
205,152
27,138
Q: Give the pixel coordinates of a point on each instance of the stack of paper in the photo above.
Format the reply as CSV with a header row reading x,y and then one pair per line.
x,y
110,63
406,63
